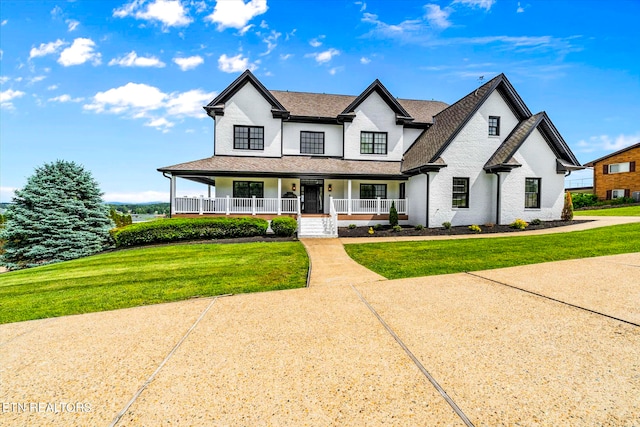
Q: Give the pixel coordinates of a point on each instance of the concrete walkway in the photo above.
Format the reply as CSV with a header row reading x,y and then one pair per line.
x,y
548,344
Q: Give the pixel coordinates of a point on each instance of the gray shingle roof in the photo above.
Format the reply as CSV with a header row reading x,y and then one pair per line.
x,y
286,166
503,157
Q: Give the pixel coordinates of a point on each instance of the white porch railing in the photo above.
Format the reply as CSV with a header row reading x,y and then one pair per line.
x,y
370,206
333,217
235,205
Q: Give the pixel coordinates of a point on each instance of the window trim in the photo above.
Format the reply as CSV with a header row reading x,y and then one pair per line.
x,y
373,142
316,133
249,147
235,196
496,127
374,191
538,193
466,194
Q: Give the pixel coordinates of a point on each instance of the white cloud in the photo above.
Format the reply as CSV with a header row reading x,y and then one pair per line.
x,y
365,60
7,96
46,49
73,24
141,101
392,30
188,63
4,22
4,79
335,70
7,193
271,40
1,54
236,13
316,42
284,57
322,57
133,60
437,17
81,51
234,64
189,103
171,13
363,5
36,79
56,11
65,98
607,143
140,197
52,87
200,6
246,28
482,4
520,9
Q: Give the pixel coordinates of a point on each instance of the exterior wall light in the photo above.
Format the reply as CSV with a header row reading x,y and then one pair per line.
x,y
330,188
293,187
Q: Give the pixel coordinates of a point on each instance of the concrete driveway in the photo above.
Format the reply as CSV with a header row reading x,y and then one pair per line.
x,y
549,344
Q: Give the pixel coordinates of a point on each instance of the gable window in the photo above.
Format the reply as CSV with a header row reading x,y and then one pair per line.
x,y
373,191
532,193
460,195
373,143
494,126
248,189
248,137
619,167
311,142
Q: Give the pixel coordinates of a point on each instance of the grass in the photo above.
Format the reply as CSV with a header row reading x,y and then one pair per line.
x,y
623,211
424,258
144,276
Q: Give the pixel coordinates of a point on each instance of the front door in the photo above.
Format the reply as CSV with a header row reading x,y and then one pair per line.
x,y
311,199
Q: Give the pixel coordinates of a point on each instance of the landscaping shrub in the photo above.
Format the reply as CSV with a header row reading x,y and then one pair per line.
x,y
284,226
446,225
393,215
172,230
370,230
567,210
419,227
397,228
536,221
377,227
581,200
352,226
475,228
519,224
120,220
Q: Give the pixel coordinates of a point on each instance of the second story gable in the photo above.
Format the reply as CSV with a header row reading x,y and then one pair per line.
x,y
253,121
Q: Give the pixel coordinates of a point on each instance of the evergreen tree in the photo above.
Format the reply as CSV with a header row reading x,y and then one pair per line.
x,y
393,215
567,210
59,215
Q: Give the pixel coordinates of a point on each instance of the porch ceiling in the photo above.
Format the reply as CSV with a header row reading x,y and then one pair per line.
x,y
287,166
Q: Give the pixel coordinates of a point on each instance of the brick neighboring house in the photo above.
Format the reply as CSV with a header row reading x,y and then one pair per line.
x,y
615,175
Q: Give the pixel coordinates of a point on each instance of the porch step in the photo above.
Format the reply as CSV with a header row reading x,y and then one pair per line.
x,y
315,227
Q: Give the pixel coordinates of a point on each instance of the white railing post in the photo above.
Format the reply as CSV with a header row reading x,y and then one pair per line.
x,y
406,206
253,205
201,205
378,206
228,206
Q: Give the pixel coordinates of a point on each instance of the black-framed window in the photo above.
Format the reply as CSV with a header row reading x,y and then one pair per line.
x,y
373,191
373,142
311,142
460,194
532,192
248,137
248,189
494,126
403,191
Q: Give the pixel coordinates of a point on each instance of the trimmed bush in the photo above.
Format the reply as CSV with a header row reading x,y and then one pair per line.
x,y
567,210
581,200
519,224
446,225
419,227
173,230
475,228
284,226
536,221
393,215
397,228
352,226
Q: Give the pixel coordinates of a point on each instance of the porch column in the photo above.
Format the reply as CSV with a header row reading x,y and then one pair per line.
x,y
279,196
209,191
349,197
172,194
201,205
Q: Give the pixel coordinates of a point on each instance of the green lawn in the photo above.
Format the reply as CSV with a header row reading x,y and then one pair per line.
x,y
623,211
143,276
425,258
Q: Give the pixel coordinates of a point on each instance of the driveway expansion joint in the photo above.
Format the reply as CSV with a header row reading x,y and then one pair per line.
x,y
553,299
415,360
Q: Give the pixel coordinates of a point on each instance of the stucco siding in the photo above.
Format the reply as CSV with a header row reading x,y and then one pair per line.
x,y
247,107
374,115
332,138
409,136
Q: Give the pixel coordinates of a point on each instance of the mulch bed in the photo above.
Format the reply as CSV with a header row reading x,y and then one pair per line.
x,y
407,230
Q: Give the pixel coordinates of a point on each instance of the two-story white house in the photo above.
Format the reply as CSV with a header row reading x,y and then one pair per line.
x,y
339,160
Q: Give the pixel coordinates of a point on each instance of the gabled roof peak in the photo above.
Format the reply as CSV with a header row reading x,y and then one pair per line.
x,y
392,102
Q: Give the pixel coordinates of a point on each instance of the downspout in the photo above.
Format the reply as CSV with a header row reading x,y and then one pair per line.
x,y
497,174
427,202
170,198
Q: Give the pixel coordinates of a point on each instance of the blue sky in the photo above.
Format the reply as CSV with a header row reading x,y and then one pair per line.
x,y
119,86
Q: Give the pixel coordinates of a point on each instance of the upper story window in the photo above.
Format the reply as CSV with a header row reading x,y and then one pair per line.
x,y
373,191
311,142
619,167
532,193
460,195
373,143
494,126
248,137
